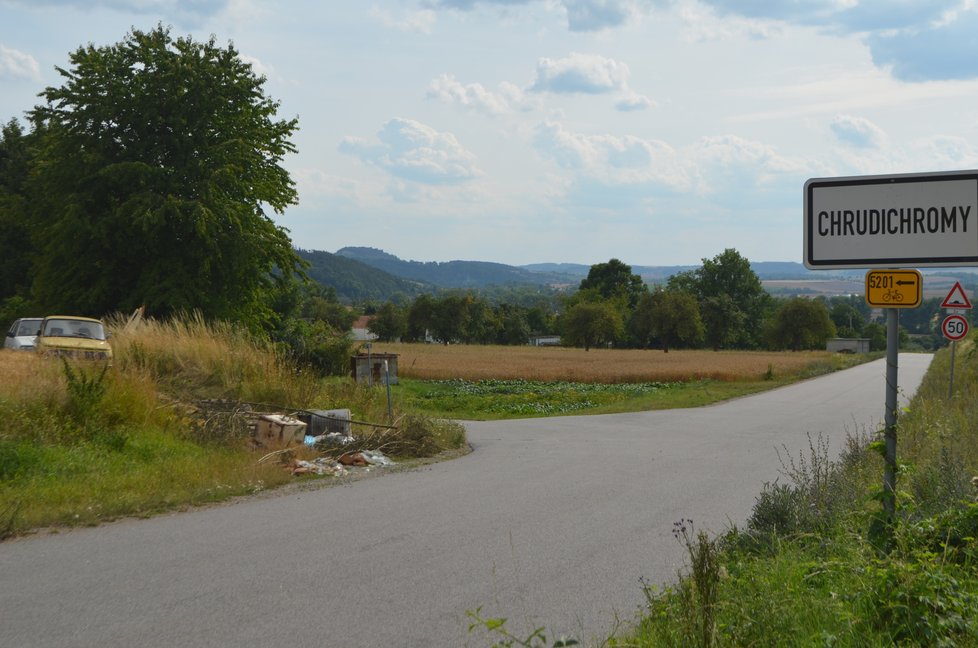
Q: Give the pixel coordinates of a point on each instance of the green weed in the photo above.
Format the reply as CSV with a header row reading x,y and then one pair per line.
x,y
495,627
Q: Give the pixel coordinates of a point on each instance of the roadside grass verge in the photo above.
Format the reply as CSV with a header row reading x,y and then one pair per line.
x,y
817,564
83,443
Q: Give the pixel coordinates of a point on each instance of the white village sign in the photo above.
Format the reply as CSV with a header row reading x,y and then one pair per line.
x,y
892,221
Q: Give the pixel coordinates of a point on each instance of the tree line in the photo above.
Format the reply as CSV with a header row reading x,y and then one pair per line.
x,y
720,305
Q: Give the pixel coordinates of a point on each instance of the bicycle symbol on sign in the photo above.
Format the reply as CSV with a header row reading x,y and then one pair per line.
x,y
893,295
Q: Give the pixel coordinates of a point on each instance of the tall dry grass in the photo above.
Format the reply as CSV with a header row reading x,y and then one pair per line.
x,y
191,356
26,380
441,362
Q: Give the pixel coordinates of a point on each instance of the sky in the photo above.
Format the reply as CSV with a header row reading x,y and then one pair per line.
x,y
658,132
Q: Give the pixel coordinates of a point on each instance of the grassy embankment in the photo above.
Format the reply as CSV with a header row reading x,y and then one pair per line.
x,y
815,564
494,382
80,445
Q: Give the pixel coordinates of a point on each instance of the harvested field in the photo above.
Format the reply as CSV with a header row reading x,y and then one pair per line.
x,y
472,362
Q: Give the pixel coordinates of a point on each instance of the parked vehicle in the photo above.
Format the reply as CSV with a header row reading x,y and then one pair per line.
x,y
74,337
22,334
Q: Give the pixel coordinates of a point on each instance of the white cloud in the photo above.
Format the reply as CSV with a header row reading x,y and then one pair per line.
x,y
945,153
947,50
421,21
475,96
582,15
413,151
316,182
857,131
916,41
468,5
18,65
612,159
883,15
742,171
633,101
588,74
796,11
192,12
701,24
580,73
595,15
261,69
612,170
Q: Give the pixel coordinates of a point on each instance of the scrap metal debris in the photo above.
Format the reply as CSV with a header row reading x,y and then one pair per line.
x,y
331,438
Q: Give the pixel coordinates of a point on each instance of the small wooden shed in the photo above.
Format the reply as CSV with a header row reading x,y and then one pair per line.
x,y
369,367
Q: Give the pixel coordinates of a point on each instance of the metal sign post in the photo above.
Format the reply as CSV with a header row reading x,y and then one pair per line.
x,y
370,366
955,325
950,382
890,432
387,381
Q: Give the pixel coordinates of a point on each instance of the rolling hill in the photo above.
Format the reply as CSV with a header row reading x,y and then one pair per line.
x,y
455,274
356,281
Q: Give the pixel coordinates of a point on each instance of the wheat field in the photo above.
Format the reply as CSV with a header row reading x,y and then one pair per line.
x,y
474,362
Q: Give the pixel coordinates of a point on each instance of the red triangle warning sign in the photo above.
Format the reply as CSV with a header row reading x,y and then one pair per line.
x,y
956,298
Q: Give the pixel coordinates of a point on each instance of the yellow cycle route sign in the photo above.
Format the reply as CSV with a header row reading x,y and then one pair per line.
x,y
894,288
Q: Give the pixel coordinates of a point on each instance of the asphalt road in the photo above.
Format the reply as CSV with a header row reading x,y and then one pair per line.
x,y
549,522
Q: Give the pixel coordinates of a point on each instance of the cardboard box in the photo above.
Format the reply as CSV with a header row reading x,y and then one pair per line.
x,y
278,429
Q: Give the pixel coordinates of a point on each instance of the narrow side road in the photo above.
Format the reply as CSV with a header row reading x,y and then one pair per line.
x,y
549,522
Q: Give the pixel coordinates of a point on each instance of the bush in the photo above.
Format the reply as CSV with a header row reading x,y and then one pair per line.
x,y
414,436
314,344
920,601
818,494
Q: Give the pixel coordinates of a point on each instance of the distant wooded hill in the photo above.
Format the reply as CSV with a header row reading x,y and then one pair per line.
x,y
364,273
355,281
455,274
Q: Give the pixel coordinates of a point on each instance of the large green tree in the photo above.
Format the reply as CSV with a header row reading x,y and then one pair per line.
x,y
614,280
591,323
847,319
322,304
389,323
800,323
159,158
724,321
733,300
675,319
420,318
16,246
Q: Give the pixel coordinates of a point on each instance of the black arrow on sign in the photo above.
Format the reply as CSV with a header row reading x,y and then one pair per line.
x,y
905,283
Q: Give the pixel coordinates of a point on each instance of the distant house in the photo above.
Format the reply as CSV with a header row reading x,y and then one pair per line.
x,y
361,330
545,340
848,345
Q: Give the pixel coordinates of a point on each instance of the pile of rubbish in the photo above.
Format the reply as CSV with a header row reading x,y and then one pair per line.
x,y
320,466
339,466
328,431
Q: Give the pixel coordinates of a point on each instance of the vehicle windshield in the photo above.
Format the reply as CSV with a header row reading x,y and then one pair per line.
x,y
74,328
28,328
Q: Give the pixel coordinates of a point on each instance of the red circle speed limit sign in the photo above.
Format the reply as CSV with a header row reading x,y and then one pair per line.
x,y
954,327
